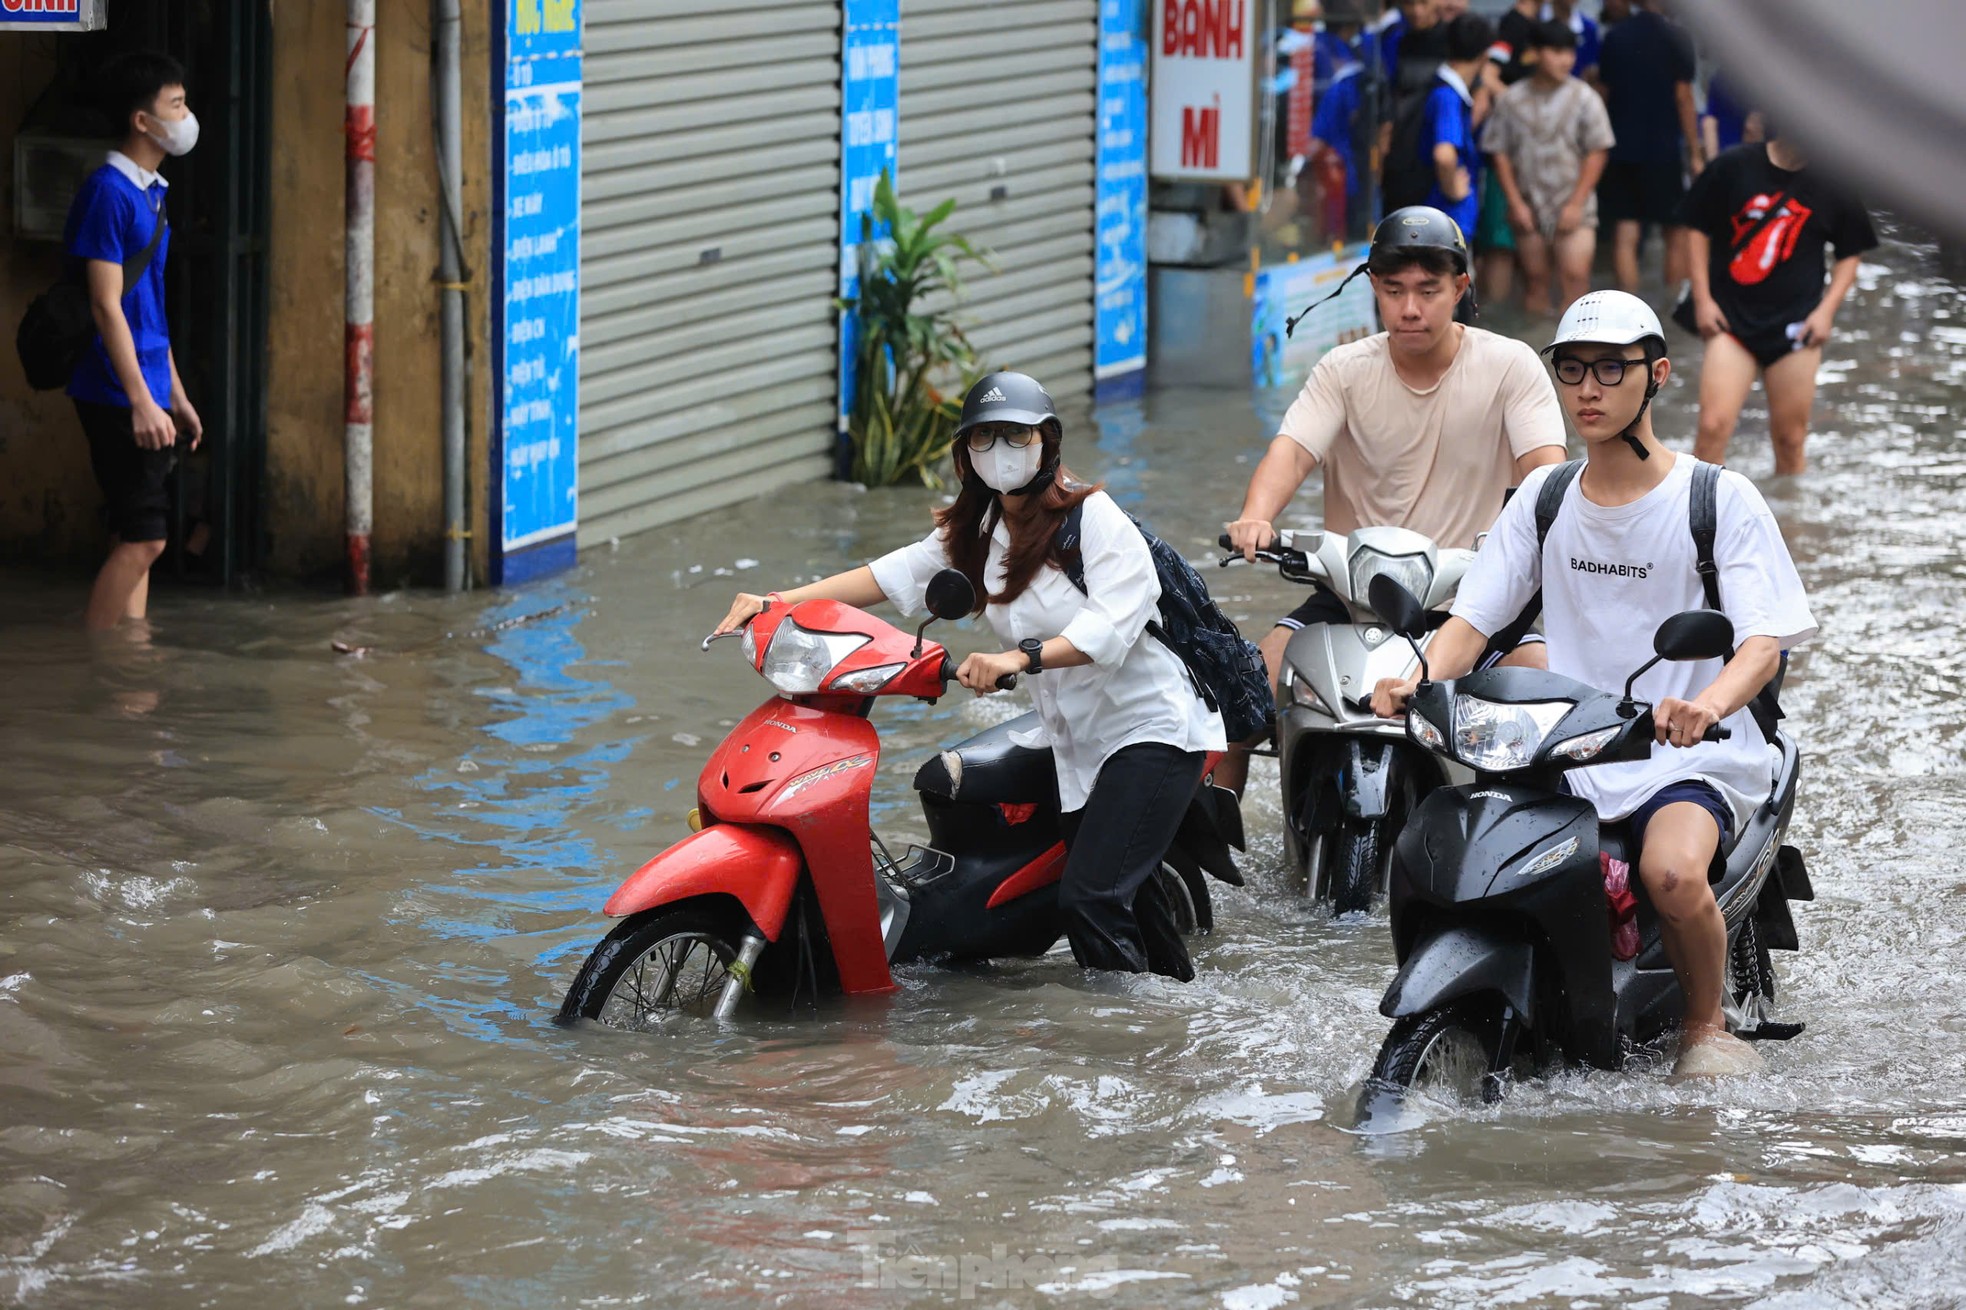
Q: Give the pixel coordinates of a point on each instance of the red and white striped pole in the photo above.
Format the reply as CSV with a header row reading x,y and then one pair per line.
x,y
358,398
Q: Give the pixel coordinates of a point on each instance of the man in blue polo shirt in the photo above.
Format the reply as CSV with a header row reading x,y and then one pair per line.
x,y
128,369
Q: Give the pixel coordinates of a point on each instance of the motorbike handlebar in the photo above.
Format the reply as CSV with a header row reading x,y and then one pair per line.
x,y
1716,733
1268,554
1008,682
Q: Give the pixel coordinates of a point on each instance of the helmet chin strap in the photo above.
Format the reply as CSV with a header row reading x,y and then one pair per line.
x,y
1040,482
1630,434
1290,324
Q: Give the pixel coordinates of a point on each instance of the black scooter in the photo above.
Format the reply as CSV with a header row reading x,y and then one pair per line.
x,y
1500,920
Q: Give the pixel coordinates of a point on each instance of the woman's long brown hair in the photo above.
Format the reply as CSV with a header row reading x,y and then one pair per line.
x,y
967,525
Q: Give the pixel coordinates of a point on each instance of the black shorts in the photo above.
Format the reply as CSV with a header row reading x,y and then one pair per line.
x,y
1322,606
135,503
1639,193
1769,346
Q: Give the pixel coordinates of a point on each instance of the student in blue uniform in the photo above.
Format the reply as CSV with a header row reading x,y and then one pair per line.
x,y
1447,134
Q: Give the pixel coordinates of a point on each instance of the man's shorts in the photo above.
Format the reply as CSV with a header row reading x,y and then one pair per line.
x,y
1694,791
1322,606
1639,193
135,502
1769,346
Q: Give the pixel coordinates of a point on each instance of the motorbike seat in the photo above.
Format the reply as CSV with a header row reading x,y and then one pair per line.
x,y
991,769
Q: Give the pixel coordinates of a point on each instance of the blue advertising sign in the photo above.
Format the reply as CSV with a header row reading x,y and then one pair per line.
x,y
51,15
536,298
1121,268
870,77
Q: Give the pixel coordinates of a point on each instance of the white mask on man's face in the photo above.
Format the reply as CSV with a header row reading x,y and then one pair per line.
x,y
175,135
1004,467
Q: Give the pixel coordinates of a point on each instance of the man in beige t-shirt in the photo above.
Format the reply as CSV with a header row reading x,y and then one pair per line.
x,y
1424,426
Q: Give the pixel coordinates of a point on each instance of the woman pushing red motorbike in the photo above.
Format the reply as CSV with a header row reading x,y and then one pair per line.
x,y
1070,587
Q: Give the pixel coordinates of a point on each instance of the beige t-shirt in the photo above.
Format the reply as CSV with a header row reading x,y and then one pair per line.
x,y
1436,461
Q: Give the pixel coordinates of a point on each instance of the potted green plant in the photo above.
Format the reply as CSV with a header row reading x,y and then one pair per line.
x,y
911,366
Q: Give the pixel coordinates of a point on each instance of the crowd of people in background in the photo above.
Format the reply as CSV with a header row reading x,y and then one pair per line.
x,y
1538,128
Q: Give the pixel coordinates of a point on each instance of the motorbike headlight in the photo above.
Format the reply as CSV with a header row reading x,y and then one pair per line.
x,y
1304,695
1409,571
798,660
1587,745
1495,737
1421,729
867,681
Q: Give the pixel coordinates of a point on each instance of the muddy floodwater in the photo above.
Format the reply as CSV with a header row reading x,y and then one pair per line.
x,y
281,935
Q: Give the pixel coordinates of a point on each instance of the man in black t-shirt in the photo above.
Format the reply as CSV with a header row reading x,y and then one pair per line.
x,y
1759,219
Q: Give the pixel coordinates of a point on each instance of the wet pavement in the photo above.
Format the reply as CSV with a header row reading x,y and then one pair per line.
x,y
282,933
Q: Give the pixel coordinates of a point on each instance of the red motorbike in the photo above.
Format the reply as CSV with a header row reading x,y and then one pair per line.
x,y
783,890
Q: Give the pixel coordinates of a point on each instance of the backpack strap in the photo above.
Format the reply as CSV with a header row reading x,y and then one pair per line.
x,y
1703,515
1703,519
1069,533
1548,501
134,269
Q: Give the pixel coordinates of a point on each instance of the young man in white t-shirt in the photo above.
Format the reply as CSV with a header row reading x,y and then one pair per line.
x,y
1618,561
1423,426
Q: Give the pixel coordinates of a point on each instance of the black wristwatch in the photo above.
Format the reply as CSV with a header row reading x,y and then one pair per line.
x,y
1034,651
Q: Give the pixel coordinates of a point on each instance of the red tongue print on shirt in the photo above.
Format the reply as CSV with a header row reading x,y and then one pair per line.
x,y
1775,240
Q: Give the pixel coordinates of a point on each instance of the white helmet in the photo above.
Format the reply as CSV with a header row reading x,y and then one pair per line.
x,y
1608,318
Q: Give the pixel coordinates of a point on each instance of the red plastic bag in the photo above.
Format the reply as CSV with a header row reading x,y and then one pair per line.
x,y
1624,906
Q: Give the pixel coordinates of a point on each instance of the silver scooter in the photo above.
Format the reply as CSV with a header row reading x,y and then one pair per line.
x,y
1350,778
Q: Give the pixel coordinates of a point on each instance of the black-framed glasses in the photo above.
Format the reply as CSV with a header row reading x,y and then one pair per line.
x,y
1015,435
1609,371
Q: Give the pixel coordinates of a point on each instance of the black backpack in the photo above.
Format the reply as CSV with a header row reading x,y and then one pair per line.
x,y
1406,178
1703,519
1227,670
60,323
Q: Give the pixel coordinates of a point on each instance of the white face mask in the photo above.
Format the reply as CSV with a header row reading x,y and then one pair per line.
x,y
175,135
1003,467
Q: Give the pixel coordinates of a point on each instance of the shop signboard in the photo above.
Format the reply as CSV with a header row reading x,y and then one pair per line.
x,y
52,15
870,111
536,291
1203,101
1121,268
1281,359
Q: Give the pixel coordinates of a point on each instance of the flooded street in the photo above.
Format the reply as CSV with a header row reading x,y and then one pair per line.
x,y
282,934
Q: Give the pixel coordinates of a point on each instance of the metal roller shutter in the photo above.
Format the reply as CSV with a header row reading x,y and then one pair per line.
x,y
999,108
709,257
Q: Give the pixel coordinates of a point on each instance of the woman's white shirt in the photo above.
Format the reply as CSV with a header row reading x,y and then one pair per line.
x,y
1135,690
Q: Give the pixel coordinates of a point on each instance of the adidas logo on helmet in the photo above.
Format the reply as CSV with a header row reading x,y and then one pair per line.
x,y
993,394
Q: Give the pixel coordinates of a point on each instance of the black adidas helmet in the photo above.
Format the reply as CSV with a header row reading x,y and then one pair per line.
x,y
1419,227
1006,398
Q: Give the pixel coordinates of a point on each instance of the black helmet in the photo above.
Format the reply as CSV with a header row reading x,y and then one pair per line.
x,y
1419,227
1006,398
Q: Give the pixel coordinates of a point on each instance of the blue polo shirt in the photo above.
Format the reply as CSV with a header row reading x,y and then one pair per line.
x,y
1450,119
112,219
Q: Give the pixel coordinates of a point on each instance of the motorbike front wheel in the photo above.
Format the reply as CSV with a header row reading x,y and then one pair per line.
x,y
660,962
1446,1052
1357,865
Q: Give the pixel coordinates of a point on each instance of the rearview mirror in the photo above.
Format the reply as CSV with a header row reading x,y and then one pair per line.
x,y
1694,635
950,595
1397,606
